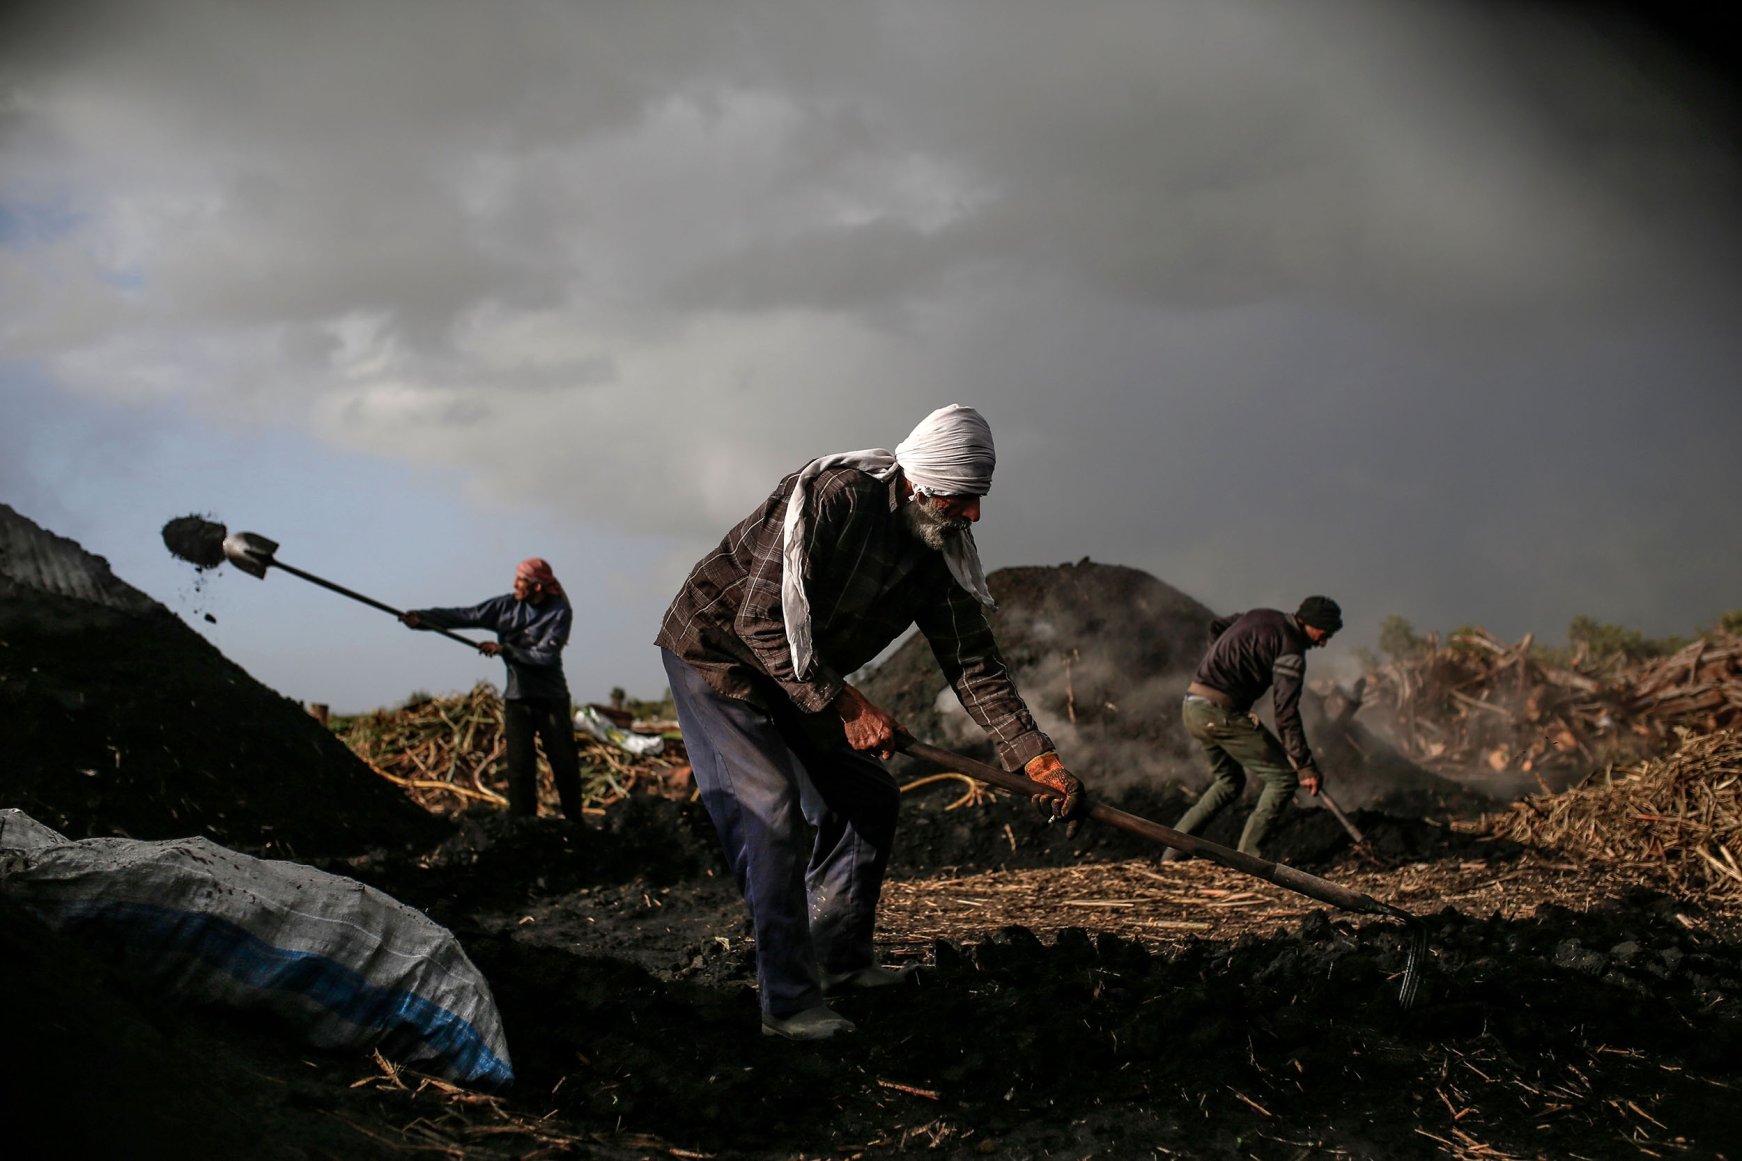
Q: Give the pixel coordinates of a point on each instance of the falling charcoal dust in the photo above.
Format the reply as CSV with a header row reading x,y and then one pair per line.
x,y
200,542
196,540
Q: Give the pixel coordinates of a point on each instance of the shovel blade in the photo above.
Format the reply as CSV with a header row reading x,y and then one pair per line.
x,y
250,552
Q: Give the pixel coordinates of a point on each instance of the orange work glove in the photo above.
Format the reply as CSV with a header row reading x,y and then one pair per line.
x,y
1049,771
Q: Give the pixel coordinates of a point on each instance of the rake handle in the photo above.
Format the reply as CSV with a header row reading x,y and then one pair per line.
x,y
1337,811
1281,874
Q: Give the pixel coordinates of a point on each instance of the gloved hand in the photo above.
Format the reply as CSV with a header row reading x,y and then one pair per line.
x,y
1049,771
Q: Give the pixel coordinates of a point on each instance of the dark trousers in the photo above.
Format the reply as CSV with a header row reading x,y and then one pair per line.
x,y
766,783
1235,744
548,719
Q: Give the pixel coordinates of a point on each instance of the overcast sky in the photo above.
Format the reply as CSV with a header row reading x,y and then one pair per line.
x,y
1428,306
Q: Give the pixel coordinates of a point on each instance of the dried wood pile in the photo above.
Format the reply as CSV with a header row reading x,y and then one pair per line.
x,y
448,753
1702,684
1477,702
1680,816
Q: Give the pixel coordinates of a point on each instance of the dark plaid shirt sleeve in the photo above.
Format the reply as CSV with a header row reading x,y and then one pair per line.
x,y
961,639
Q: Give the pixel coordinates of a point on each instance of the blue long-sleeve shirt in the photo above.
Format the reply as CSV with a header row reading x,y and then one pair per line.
x,y
532,638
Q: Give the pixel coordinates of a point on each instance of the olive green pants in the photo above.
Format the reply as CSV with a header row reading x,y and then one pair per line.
x,y
1236,746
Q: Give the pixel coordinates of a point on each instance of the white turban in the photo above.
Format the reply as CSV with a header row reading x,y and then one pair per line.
x,y
949,453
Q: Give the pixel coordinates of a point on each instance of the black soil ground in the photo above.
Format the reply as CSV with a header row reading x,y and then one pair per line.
x,y
1076,998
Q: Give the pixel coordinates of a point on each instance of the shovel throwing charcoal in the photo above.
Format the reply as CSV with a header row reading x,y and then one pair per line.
x,y
253,554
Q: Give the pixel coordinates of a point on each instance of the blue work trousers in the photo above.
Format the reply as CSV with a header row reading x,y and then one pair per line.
x,y
768,786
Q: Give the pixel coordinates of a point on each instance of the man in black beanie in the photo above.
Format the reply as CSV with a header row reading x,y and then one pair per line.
x,y
1252,652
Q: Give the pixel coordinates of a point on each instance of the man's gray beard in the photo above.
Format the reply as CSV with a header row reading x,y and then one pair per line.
x,y
930,527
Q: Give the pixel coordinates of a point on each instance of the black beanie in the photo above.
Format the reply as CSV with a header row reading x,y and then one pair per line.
x,y
1321,613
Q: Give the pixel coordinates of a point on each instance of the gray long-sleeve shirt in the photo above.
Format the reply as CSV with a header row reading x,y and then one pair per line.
x,y
532,638
1260,650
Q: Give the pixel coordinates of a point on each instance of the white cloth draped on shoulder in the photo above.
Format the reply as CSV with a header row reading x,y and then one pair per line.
x,y
949,453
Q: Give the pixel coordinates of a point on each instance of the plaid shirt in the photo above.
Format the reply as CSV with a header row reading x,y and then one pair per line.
x,y
868,579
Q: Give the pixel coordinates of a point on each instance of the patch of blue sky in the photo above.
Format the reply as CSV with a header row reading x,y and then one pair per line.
x,y
109,476
128,279
25,222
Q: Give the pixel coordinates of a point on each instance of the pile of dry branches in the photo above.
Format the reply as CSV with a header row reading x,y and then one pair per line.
x,y
448,754
1680,815
1479,702
1701,684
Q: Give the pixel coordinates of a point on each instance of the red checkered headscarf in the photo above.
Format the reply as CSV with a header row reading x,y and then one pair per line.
x,y
537,570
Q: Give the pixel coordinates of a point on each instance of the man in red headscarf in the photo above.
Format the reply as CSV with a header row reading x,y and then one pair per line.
x,y
532,625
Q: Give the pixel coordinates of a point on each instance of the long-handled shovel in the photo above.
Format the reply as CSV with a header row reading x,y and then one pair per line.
x,y
1281,874
253,554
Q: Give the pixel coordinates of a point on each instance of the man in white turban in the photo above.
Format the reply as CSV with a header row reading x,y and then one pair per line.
x,y
841,559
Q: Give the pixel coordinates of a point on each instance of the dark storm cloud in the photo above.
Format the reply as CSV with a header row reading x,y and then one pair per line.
x,y
1427,157
1427,305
